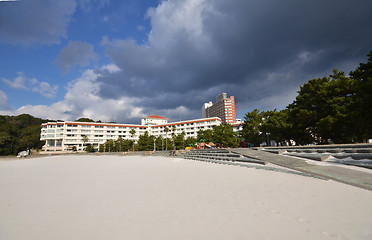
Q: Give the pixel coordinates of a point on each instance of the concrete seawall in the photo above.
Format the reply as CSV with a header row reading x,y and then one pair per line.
x,y
351,176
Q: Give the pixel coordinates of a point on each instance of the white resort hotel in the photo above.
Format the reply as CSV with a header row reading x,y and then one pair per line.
x,y
63,136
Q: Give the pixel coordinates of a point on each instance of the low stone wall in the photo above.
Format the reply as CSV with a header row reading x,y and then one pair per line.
x,y
331,146
349,154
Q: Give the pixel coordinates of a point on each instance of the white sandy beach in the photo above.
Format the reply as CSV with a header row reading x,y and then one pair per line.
x,y
132,197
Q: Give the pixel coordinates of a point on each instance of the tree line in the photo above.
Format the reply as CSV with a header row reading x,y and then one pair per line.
x,y
333,109
222,136
19,133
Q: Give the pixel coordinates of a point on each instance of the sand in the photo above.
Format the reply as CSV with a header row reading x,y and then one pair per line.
x,y
132,197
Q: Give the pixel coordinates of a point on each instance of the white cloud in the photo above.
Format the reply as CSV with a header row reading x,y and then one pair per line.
x,y
25,83
18,82
3,100
82,100
46,90
171,18
111,68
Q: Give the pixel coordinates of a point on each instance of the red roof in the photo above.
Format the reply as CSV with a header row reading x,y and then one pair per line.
x,y
189,121
156,116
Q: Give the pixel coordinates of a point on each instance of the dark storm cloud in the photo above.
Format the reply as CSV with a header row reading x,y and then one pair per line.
x,y
35,21
76,53
255,50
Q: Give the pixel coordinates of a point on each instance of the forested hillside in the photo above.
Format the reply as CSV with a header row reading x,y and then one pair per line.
x,y
19,133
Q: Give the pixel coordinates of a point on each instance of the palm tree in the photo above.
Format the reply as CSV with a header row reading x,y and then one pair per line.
x,y
183,134
174,136
132,132
85,139
166,130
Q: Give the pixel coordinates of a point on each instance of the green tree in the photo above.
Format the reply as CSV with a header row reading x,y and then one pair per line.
x,y
308,108
145,142
122,145
251,132
179,141
224,136
363,99
159,142
132,133
277,125
84,120
127,144
168,143
109,146
85,139
19,133
174,136
89,148
190,141
324,111
166,130
337,123
205,134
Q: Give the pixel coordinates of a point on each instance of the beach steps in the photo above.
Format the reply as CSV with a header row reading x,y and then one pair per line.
x,y
356,155
221,155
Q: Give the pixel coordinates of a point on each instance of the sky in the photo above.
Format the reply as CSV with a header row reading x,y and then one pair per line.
x,y
121,60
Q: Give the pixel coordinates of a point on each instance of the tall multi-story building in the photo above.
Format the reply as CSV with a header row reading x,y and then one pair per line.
x,y
64,136
224,108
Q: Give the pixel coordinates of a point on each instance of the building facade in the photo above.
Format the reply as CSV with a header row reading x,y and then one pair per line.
x,y
64,136
224,108
154,120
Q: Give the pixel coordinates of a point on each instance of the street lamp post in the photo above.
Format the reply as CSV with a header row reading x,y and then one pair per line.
x,y
268,139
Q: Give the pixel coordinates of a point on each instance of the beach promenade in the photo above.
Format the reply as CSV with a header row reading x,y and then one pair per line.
x,y
355,176
146,197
